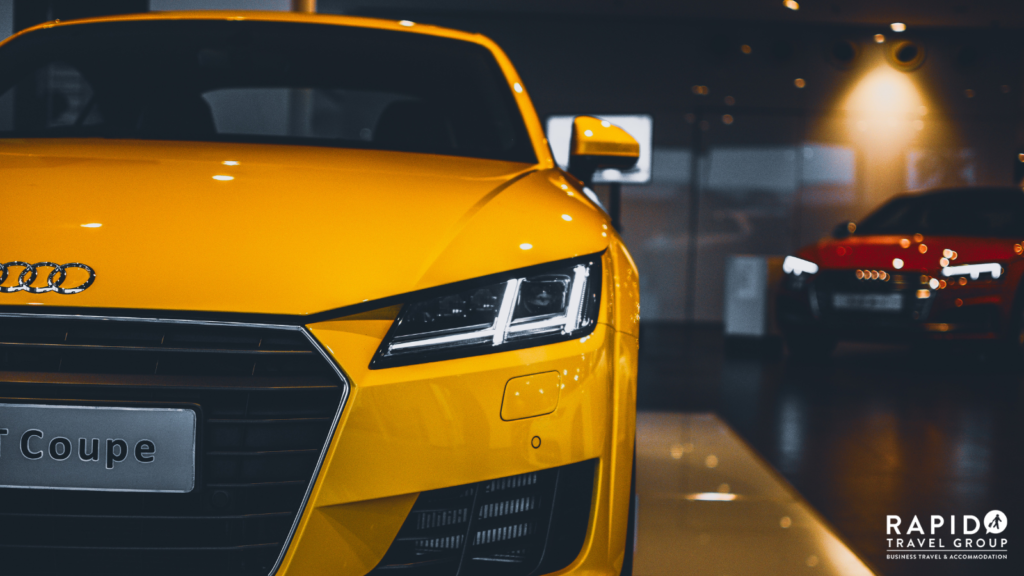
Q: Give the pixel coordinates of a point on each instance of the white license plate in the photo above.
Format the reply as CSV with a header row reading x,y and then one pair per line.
x,y
97,448
868,302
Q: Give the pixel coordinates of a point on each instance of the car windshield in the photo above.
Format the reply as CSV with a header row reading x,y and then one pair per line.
x,y
268,82
992,212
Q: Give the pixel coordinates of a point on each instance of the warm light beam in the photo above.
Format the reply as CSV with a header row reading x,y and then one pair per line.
x,y
883,106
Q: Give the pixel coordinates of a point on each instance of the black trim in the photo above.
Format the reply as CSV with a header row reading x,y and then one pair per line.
x,y
570,516
380,361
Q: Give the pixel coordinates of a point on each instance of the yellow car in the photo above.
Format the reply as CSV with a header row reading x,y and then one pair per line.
x,y
300,294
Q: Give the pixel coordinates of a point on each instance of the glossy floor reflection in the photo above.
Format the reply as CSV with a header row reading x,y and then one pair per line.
x,y
875,430
710,505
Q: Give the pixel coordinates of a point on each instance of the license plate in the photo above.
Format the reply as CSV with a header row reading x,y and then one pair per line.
x,y
868,302
97,448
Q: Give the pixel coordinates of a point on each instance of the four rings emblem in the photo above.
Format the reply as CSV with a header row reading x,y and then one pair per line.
x,y
54,282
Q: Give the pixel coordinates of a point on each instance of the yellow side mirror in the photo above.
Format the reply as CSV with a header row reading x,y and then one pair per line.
x,y
600,144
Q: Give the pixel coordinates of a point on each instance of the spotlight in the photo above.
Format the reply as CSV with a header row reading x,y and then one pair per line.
x,y
898,27
906,55
879,38
842,54
791,4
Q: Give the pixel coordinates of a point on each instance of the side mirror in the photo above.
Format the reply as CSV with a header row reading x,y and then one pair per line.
x,y
598,144
843,230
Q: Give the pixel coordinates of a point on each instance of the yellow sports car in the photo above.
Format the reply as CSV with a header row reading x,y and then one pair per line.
x,y
300,294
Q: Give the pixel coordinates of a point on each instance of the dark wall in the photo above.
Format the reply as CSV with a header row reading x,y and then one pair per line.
x,y
649,65
31,12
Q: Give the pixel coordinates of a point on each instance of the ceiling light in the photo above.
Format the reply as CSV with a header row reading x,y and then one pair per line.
x,y
898,26
791,4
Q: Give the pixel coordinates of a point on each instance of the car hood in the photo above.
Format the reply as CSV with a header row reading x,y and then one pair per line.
x,y
921,255
286,230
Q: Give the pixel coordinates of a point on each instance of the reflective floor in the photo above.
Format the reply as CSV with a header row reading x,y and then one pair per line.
x,y
710,505
875,430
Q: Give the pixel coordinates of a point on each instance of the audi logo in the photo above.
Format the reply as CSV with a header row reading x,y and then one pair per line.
x,y
54,282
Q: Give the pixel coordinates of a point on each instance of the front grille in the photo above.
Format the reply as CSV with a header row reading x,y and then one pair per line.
x,y
532,523
831,282
266,402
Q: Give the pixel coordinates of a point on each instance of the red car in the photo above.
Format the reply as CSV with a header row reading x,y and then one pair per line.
x,y
941,264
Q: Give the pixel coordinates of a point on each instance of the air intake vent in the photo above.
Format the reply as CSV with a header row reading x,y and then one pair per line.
x,y
532,523
266,400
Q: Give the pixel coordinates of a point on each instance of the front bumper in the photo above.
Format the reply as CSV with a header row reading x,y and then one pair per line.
x,y
418,428
975,311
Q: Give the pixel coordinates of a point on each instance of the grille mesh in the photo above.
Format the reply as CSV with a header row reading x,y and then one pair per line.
x,y
520,525
265,398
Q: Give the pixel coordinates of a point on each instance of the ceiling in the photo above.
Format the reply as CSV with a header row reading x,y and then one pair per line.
x,y
915,13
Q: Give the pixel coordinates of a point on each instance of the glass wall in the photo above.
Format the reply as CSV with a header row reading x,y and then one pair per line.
x,y
768,185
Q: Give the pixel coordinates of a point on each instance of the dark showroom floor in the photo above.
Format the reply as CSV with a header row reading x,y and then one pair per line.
x,y
873,431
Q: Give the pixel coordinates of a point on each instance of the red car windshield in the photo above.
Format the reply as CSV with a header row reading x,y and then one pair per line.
x,y
252,81
984,212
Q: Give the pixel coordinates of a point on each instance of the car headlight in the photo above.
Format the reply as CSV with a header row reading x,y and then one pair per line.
x,y
993,269
798,266
540,305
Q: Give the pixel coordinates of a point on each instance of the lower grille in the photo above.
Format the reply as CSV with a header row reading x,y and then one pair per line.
x,y
266,401
532,523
